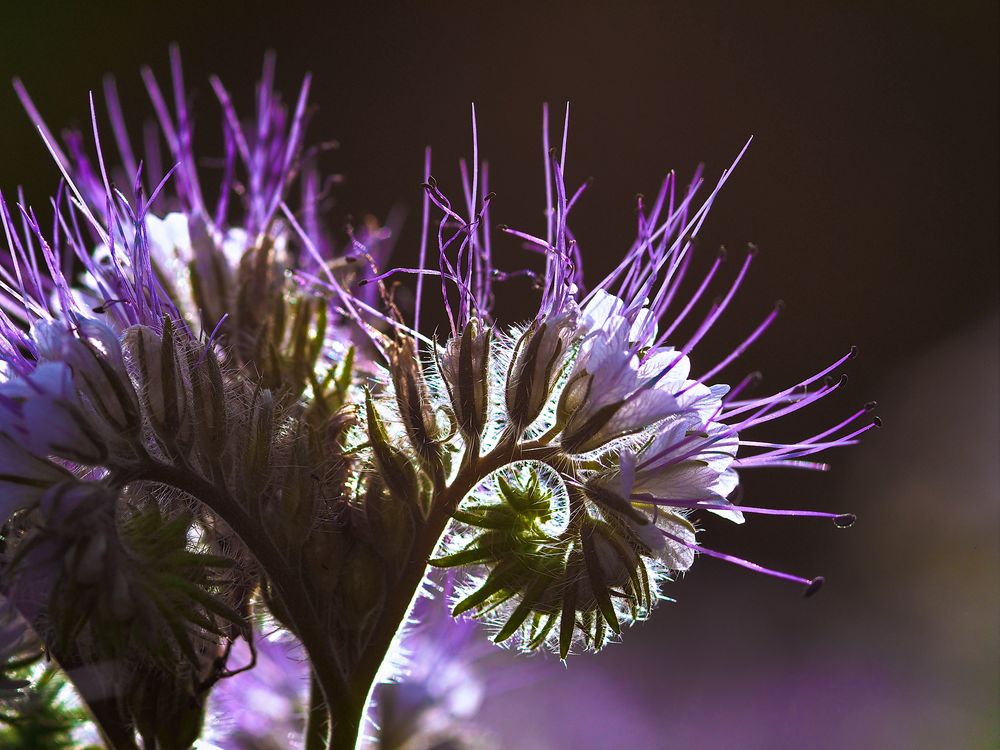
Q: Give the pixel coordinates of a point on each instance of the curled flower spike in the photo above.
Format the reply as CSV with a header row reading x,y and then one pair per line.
x,y
602,446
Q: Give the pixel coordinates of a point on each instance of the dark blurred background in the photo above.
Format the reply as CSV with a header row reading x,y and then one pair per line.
x,y
871,188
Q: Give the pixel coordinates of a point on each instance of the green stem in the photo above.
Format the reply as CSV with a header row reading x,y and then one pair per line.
x,y
104,709
286,583
318,719
400,599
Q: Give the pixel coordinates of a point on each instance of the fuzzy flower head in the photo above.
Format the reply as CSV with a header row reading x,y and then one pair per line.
x,y
596,442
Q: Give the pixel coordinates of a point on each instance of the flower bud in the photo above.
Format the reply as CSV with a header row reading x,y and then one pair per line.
x,y
163,388
99,374
416,409
464,368
257,450
536,366
208,401
298,500
397,472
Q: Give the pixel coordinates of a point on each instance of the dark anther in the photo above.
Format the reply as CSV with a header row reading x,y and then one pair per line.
x,y
364,282
489,196
503,227
815,585
854,352
845,521
104,306
779,306
877,422
752,249
871,406
722,252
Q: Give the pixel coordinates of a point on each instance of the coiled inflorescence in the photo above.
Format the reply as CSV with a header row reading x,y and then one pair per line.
x,y
581,447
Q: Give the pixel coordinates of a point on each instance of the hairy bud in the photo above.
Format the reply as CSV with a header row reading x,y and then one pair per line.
x,y
464,367
416,409
395,469
164,391
536,366
208,399
260,433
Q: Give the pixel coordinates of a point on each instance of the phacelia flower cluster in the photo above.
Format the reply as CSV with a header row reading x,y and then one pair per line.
x,y
598,444
213,413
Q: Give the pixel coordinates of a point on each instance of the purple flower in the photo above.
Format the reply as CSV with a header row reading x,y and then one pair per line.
x,y
622,443
262,707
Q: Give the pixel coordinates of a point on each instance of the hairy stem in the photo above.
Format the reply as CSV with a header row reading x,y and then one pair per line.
x,y
318,719
400,598
340,702
103,706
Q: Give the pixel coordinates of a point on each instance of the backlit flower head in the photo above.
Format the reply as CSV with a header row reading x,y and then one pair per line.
x,y
602,445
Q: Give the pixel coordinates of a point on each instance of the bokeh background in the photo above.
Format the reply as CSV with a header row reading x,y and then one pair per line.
x,y
871,188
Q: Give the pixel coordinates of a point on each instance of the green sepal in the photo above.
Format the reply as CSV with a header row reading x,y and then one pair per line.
x,y
598,582
537,635
398,474
497,580
521,612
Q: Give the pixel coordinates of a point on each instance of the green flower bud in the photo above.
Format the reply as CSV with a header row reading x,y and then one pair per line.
x,y
416,409
464,367
397,472
536,366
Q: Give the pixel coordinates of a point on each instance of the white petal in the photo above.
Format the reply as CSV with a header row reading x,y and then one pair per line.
x,y
675,555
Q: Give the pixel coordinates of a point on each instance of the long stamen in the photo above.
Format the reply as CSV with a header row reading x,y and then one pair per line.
x,y
741,407
840,520
772,316
812,585
719,258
